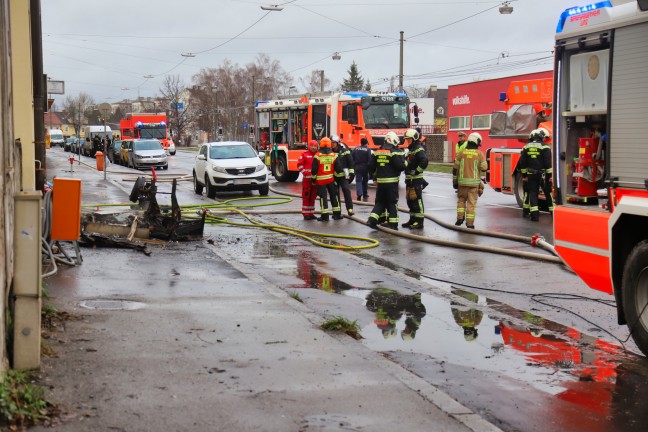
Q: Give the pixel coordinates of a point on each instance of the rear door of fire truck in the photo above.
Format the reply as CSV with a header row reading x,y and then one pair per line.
x,y
600,154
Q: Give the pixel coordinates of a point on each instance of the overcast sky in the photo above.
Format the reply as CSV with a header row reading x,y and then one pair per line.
x,y
102,48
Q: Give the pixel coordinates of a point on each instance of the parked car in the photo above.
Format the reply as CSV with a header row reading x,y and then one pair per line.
x,y
229,166
171,149
69,142
114,152
144,153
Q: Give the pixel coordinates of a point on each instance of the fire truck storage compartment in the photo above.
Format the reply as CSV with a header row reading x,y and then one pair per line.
x,y
628,151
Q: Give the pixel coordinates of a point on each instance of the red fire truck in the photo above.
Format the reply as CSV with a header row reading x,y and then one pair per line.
x,y
527,106
600,154
143,125
284,126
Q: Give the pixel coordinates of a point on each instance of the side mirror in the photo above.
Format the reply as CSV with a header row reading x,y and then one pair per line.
x,y
416,113
201,157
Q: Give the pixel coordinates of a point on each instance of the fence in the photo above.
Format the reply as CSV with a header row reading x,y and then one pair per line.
x,y
438,148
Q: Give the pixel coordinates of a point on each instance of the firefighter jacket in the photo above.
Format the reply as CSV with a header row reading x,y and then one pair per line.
x,y
305,164
535,158
325,166
345,158
387,163
468,167
417,161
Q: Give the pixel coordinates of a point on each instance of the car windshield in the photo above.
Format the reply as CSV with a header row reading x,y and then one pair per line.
x,y
57,136
147,145
153,132
231,152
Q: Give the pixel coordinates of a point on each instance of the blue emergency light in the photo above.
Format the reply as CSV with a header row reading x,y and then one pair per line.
x,y
579,10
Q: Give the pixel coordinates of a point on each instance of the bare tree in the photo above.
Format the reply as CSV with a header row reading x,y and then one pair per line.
x,y
313,83
78,108
173,93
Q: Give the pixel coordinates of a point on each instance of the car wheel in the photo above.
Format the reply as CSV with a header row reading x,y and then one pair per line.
x,y
172,153
263,190
166,167
198,188
211,190
635,294
280,169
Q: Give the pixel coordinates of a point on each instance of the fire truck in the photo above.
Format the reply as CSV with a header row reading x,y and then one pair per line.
x,y
600,153
527,106
143,125
284,126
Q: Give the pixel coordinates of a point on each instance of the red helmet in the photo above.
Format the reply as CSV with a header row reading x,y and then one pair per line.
x,y
312,145
325,142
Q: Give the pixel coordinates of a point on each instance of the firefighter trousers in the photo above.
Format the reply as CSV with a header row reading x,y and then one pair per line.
x,y
531,196
343,185
329,189
386,200
467,203
414,196
309,192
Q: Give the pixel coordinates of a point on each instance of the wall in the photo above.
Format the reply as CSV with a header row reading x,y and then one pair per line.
x,y
482,98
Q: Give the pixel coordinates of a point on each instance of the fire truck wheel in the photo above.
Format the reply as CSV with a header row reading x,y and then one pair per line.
x,y
280,169
518,190
211,190
198,188
635,294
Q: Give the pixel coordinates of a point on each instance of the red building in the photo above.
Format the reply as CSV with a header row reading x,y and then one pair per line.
x,y
470,107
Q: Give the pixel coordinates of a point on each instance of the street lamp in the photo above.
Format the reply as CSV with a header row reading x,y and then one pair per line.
x,y
506,8
271,7
336,56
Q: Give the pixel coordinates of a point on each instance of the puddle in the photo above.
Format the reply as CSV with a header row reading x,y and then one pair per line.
x,y
111,305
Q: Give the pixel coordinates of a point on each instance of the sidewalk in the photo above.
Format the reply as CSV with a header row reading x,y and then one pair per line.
x,y
185,341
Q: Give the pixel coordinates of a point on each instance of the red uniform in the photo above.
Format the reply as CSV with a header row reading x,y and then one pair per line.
x,y
309,191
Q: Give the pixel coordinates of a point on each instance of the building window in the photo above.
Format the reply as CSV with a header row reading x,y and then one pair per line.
x,y
481,121
459,123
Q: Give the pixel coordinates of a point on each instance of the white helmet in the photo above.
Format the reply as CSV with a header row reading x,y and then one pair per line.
x,y
539,135
412,133
545,133
392,138
335,138
475,138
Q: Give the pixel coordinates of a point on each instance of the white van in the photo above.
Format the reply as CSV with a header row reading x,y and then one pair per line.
x,y
56,137
91,146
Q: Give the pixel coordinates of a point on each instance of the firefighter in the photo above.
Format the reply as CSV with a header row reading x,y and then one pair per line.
x,y
387,163
467,318
417,161
361,156
325,165
534,165
344,178
304,165
469,166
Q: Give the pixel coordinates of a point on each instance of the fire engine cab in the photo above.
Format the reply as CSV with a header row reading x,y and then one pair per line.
x,y
600,153
284,126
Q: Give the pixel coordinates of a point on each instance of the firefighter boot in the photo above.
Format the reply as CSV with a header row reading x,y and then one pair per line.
x,y
337,216
535,216
323,218
417,224
365,198
526,213
408,224
459,222
372,223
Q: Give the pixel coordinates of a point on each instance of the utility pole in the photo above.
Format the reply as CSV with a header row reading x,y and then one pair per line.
x,y
322,81
400,69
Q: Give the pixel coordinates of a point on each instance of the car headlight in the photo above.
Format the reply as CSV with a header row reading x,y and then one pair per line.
x,y
219,169
259,168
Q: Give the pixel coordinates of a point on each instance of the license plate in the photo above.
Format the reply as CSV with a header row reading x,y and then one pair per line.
x,y
242,181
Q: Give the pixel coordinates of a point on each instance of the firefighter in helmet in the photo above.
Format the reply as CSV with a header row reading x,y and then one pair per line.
x,y
387,163
417,161
325,165
345,178
309,191
469,166
535,167
466,317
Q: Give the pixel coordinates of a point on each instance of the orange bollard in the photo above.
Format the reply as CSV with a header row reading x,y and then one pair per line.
x,y
100,161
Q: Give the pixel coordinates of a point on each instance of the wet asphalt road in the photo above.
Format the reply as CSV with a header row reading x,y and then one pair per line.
x,y
486,328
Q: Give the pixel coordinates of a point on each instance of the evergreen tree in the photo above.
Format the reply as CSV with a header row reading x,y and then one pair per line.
x,y
355,82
